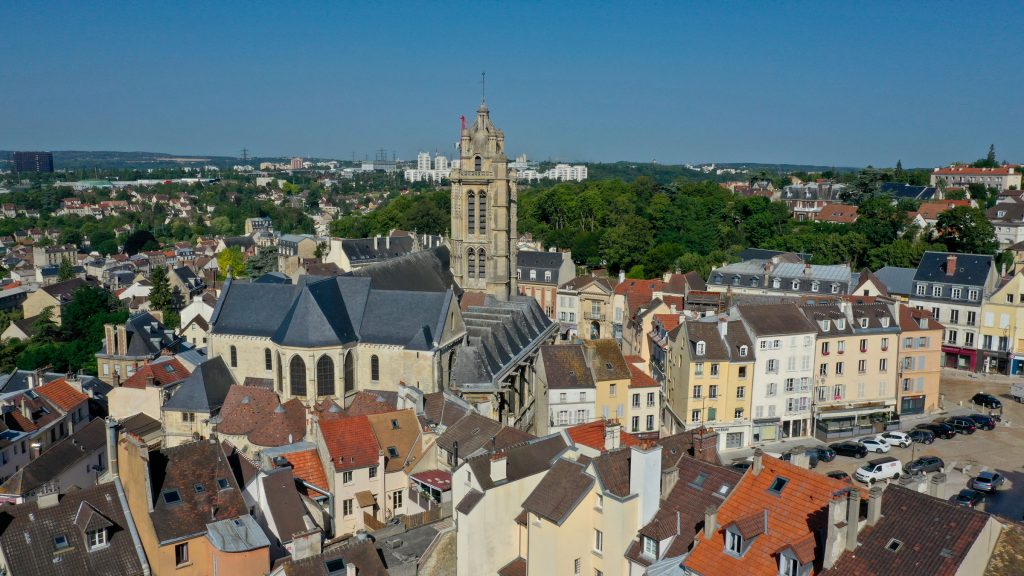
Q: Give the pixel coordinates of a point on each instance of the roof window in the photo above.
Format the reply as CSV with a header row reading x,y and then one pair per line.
x,y
60,542
394,424
392,452
172,497
894,545
778,484
701,478
199,489
222,484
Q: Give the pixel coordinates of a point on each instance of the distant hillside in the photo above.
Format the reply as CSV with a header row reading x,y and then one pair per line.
x,y
79,159
666,173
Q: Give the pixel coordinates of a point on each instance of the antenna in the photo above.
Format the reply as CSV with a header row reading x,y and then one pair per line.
x,y
245,156
483,87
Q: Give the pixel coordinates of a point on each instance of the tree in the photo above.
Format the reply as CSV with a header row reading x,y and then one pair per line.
x,y
139,241
160,297
45,326
231,260
624,245
989,161
966,230
66,270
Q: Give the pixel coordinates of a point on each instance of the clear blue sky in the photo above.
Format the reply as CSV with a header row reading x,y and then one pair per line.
x,y
833,83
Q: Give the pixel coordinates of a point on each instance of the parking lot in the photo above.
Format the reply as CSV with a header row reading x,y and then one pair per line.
x,y
1001,449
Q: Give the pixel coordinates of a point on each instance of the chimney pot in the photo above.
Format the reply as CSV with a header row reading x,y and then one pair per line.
x,y
758,465
852,519
874,505
950,264
710,522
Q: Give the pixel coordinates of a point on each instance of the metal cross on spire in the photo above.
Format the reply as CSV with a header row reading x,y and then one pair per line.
x,y
483,87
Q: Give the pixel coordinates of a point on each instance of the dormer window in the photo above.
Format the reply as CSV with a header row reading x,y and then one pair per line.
x,y
97,538
743,351
776,283
755,282
533,274
795,285
733,543
701,347
735,280
885,321
863,322
936,291
841,324
788,566
718,278
815,286
835,288
825,325
547,275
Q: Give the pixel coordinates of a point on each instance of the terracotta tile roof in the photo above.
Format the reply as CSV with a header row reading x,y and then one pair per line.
x,y
398,434
367,402
560,491
913,320
606,360
957,170
62,394
613,470
640,379
793,515
516,567
592,434
931,210
163,373
328,409
245,409
638,293
350,442
285,424
936,537
306,466
668,321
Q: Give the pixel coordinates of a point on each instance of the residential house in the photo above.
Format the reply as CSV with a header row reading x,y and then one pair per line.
x,y
611,379
355,478
281,513
77,462
663,328
188,414
1008,220
927,213
188,509
710,380
805,201
55,297
146,390
292,249
400,438
920,361
361,556
999,177
129,346
782,276
898,282
644,400
187,284
566,394
834,213
88,531
54,255
470,435
952,287
1002,328
783,372
539,274
585,308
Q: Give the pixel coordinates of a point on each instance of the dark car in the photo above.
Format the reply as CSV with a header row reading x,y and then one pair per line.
x,y
924,464
969,498
849,448
825,454
838,475
922,436
962,424
741,466
941,430
988,481
983,422
986,401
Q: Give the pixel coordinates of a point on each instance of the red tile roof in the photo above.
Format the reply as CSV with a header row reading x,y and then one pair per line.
x,y
163,373
367,402
931,210
640,379
793,515
592,434
668,321
306,466
956,170
62,394
838,213
350,442
638,293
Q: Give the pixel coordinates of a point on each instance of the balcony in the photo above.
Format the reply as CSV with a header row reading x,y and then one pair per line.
x,y
593,316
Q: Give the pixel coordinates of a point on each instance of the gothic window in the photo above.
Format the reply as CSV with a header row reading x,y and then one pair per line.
x,y
471,263
483,213
234,357
374,368
478,164
297,376
471,212
350,373
280,376
325,376
481,259
268,361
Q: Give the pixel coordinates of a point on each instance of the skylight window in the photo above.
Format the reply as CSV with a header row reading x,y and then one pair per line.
x,y
199,489
723,489
778,484
392,452
222,483
701,478
172,497
394,424
894,545
168,368
60,542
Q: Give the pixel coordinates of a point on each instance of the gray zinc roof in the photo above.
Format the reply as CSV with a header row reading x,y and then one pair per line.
x,y
204,390
899,281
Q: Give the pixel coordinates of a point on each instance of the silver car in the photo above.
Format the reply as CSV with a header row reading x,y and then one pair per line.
x,y
988,481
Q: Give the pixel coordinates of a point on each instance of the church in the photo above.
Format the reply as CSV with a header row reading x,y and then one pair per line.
x,y
447,318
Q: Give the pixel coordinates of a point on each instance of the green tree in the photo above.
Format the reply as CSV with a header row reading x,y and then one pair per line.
x,y
66,270
45,326
622,246
231,260
989,161
966,230
160,297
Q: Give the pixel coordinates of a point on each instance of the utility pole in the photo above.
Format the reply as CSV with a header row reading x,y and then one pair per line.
x,y
245,156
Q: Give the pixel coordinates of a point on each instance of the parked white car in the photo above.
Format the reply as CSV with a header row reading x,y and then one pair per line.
x,y
875,444
879,469
897,438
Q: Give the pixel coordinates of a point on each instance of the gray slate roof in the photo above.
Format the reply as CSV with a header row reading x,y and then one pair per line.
x,y
898,281
204,390
542,262
971,269
423,271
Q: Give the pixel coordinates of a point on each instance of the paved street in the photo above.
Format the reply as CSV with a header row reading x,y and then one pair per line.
x,y
1001,449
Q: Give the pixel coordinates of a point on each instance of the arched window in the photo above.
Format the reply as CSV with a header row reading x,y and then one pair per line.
x,y
268,359
483,213
350,373
297,376
700,348
471,212
234,357
374,368
471,263
280,374
481,268
325,376
478,164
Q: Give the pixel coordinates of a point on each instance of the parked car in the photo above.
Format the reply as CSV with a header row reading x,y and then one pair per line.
x,y
825,454
838,475
878,469
988,481
924,464
983,422
969,498
814,455
849,448
1017,391
941,430
897,438
742,466
962,424
986,401
922,436
874,444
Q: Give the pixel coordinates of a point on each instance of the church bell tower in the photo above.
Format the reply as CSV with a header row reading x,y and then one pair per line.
x,y
483,233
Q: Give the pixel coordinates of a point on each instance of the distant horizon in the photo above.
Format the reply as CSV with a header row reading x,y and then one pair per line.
x,y
817,83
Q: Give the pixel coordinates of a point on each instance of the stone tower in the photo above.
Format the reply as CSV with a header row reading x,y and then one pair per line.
x,y
483,230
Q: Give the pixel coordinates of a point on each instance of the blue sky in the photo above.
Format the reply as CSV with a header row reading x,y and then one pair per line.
x,y
833,83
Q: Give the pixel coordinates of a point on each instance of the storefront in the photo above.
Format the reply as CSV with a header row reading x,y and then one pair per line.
x,y
1016,365
912,404
960,358
994,362
765,430
854,419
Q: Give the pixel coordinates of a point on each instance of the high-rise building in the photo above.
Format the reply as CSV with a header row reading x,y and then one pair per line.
x,y
441,162
296,164
423,161
484,211
33,162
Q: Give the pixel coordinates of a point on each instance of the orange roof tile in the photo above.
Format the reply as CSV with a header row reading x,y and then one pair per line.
x,y
62,394
163,373
640,379
998,171
306,466
931,210
793,515
669,321
350,442
592,434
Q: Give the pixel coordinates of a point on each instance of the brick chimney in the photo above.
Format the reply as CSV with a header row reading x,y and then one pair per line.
x,y
950,264
705,445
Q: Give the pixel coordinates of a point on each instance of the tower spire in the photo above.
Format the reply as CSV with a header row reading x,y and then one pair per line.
x,y
483,87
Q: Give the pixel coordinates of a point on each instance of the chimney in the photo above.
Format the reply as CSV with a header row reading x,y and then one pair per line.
x,y
852,519
705,445
122,340
645,478
350,569
723,326
48,496
612,434
669,478
31,379
950,264
499,465
150,381
937,485
758,465
832,545
112,447
622,276
710,522
672,308
874,505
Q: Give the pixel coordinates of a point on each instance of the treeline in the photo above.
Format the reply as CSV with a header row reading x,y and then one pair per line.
x,y
426,213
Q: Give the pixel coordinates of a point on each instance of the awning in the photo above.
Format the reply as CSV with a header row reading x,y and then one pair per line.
x,y
844,412
365,499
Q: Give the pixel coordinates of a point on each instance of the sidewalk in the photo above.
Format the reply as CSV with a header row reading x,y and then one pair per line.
x,y
780,447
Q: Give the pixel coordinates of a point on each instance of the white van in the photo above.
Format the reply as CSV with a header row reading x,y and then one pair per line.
x,y
879,469
1017,391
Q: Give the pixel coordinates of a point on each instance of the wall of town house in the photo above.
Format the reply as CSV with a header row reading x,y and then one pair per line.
x,y
179,430
852,379
932,372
